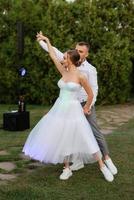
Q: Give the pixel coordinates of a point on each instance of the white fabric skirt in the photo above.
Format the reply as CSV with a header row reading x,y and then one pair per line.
x,y
63,134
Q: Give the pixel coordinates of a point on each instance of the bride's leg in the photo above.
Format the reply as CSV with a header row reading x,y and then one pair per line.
x,y
66,163
100,161
66,171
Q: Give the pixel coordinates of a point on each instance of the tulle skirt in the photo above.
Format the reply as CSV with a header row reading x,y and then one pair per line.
x,y
63,134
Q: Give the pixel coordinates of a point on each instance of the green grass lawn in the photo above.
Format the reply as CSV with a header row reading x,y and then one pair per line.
x,y
42,182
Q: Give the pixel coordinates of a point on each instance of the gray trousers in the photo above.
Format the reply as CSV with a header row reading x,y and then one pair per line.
x,y
97,133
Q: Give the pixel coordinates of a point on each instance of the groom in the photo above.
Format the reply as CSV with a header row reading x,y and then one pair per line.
x,y
91,74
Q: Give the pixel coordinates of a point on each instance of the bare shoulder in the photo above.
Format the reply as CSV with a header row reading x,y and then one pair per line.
x,y
82,78
84,83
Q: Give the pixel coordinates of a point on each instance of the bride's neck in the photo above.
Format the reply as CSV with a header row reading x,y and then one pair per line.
x,y
72,68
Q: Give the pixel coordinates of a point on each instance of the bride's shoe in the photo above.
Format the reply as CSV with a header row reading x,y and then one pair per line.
x,y
66,174
76,166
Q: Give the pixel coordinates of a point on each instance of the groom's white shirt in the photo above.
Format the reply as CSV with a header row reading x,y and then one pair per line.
x,y
86,68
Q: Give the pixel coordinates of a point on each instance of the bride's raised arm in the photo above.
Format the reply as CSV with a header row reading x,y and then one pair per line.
x,y
43,44
52,54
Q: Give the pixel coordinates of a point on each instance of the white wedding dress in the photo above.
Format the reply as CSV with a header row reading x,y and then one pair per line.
x,y
64,132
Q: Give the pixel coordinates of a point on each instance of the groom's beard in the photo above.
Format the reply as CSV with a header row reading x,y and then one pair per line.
x,y
82,60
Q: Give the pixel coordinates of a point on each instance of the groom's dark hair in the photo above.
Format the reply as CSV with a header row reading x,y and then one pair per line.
x,y
84,44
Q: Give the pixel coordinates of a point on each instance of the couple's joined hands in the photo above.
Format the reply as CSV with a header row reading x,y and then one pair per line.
x,y
40,36
86,110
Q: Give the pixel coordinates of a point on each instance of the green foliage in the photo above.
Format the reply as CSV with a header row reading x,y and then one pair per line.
x,y
106,25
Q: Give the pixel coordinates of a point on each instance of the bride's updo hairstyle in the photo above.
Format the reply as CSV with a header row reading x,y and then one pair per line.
x,y
74,57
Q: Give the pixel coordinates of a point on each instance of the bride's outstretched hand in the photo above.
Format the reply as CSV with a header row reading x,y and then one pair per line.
x,y
40,36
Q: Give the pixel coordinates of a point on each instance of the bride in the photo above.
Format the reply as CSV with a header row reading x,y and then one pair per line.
x,y
63,134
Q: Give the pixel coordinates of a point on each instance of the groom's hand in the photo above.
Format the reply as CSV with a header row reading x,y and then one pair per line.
x,y
40,33
86,110
42,37
39,39
39,36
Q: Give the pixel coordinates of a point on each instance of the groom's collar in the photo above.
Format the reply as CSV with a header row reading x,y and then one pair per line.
x,y
84,62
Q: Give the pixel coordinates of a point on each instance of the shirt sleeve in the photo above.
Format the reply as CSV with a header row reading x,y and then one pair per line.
x,y
94,84
58,53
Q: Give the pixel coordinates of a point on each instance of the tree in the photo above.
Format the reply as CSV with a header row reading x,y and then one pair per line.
x,y
106,25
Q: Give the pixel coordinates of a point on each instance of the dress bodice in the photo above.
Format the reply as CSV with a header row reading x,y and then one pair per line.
x,y
68,90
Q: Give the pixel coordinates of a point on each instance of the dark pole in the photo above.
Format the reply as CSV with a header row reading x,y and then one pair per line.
x,y
20,52
20,40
